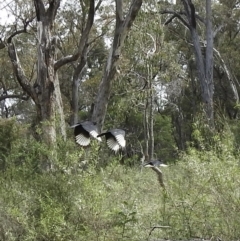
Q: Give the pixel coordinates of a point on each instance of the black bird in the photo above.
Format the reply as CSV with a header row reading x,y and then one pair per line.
x,y
83,131
155,163
115,139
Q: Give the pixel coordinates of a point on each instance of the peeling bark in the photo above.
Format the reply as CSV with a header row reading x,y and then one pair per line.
x,y
45,80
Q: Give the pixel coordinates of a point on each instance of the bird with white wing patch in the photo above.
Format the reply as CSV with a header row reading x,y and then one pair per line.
x,y
115,139
84,131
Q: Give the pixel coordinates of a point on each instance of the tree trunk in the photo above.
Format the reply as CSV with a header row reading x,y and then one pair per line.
x,y
146,127
209,64
46,81
83,51
77,76
59,109
151,124
121,29
46,92
204,66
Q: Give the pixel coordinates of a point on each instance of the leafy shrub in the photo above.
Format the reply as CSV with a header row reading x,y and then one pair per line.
x,y
90,196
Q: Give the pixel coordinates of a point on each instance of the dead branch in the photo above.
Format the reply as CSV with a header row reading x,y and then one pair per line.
x,y
153,228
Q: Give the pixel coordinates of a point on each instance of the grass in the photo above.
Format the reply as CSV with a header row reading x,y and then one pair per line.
x,y
116,202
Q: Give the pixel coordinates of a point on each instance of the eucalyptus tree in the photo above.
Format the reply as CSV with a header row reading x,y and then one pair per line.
x,y
148,65
123,23
80,25
204,59
39,19
226,52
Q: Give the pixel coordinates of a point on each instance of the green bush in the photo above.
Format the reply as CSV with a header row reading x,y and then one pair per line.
x,y
90,196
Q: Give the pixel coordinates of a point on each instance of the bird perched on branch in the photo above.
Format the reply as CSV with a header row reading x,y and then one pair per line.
x,y
155,163
83,132
115,139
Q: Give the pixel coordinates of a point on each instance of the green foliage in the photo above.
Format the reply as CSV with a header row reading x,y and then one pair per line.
x,y
8,133
165,146
88,195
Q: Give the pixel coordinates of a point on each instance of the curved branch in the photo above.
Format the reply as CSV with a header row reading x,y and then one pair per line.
x,y
65,60
83,40
179,16
21,97
175,15
151,52
24,30
19,72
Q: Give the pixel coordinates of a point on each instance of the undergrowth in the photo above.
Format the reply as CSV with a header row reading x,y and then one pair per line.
x,y
90,196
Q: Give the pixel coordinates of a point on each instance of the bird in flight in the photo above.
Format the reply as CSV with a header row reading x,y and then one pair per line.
x,y
84,131
155,163
115,139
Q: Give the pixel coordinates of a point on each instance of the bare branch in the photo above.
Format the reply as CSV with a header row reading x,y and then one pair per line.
x,y
153,51
153,228
96,38
179,16
175,15
98,5
82,42
65,60
17,32
22,97
228,73
19,72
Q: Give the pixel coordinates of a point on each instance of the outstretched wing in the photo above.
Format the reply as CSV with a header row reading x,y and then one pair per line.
x,y
92,129
113,144
155,163
82,136
119,136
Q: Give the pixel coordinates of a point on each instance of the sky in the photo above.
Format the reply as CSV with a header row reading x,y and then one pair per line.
x,y
5,16
4,12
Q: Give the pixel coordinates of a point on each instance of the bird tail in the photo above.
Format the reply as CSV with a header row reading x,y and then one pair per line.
x,y
148,165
